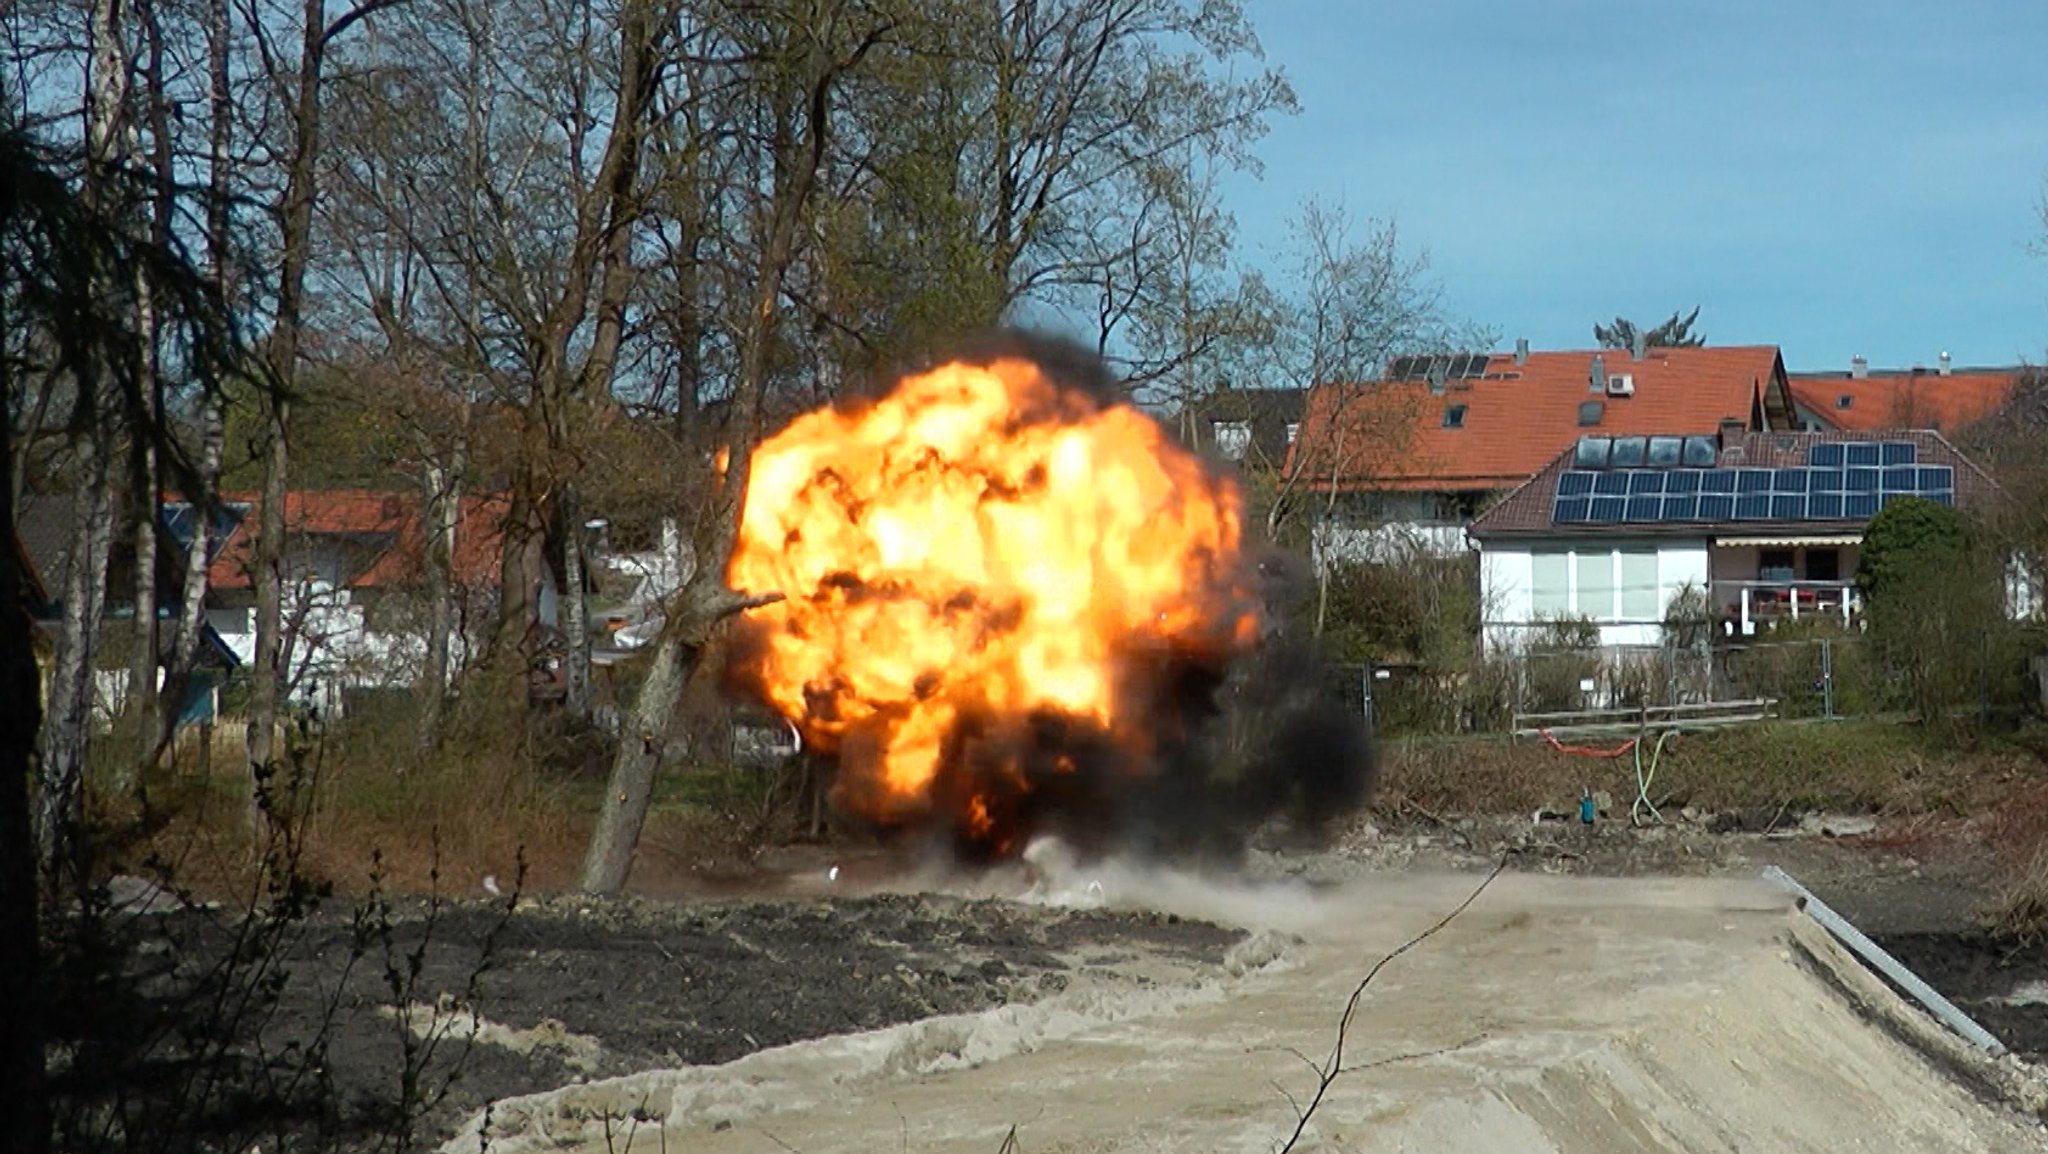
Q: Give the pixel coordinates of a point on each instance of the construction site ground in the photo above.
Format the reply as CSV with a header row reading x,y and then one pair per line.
x,y
1613,989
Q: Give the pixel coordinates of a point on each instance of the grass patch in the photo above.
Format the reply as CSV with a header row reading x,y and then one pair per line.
x,y
1850,766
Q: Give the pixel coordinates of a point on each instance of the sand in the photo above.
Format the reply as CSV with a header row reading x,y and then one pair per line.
x,y
1557,1014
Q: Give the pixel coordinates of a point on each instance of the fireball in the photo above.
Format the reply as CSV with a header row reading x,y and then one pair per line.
x,y
984,573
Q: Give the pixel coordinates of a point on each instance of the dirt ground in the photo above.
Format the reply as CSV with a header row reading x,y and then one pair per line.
x,y
822,943
567,989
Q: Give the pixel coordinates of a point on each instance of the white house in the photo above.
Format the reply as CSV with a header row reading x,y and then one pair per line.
x,y
1764,526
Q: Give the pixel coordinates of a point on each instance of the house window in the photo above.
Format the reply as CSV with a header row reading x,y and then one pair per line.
x,y
1640,600
1844,401
1823,564
1774,565
1550,590
1233,438
1595,573
1454,417
1589,413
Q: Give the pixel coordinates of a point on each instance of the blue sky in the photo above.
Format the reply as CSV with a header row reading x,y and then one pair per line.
x,y
1834,178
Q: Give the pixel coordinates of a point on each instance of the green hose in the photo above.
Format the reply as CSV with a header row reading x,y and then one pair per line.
x,y
1643,780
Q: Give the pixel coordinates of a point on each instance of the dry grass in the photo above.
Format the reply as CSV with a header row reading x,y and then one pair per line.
x,y
494,795
2018,834
1860,767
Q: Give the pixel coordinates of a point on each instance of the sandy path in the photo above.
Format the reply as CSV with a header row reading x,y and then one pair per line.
x,y
1556,1015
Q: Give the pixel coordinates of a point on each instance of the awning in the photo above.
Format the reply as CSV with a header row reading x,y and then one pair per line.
x,y
1789,542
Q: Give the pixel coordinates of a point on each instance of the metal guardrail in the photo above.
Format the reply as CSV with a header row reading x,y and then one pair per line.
x,y
1646,718
1876,957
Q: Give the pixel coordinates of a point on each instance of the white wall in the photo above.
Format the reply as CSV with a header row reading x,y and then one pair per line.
x,y
1386,543
1507,586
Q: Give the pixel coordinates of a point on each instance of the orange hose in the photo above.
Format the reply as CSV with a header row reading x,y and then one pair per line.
x,y
1581,751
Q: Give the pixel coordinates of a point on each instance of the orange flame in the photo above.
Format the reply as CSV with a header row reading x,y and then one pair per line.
x,y
976,551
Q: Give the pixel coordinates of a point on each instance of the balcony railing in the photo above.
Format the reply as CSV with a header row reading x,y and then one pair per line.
x,y
1749,604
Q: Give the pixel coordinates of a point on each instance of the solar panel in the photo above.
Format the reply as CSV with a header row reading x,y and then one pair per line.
x,y
1936,477
1860,506
1665,452
1571,510
1861,453
1942,497
1682,508
1627,453
1592,453
1606,509
1716,507
1886,500
1643,508
1826,480
1862,481
1788,480
1788,507
1574,484
1682,481
1700,453
1717,481
1897,453
1824,507
1752,480
1826,456
1645,481
1610,484
1755,507
1901,479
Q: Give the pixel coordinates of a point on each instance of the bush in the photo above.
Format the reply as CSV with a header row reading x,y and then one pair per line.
x,y
1417,617
1934,597
1562,655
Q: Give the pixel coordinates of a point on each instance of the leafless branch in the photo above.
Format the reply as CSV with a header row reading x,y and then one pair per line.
x,y
1333,1067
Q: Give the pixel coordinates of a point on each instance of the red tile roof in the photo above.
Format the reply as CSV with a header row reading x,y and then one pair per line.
x,y
1516,418
1526,512
389,525
1904,400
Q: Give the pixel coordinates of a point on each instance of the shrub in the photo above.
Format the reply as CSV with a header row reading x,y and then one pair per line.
x,y
1935,602
1562,654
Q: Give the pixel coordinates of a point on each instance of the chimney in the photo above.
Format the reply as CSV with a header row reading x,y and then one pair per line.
x,y
1944,363
1521,350
1599,374
1731,432
1859,367
1638,345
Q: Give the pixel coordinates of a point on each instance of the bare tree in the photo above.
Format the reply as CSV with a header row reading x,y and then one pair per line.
x,y
302,96
814,46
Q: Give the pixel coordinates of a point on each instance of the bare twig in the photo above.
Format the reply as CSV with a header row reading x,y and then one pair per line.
x,y
1333,1067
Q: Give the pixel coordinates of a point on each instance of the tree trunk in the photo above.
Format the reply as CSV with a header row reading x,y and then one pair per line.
x,y
511,643
61,790
24,1120
191,622
268,576
283,359
691,615
145,481
140,708
213,435
574,614
619,822
443,512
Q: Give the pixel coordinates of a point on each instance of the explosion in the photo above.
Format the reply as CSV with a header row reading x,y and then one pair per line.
x,y
1001,592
